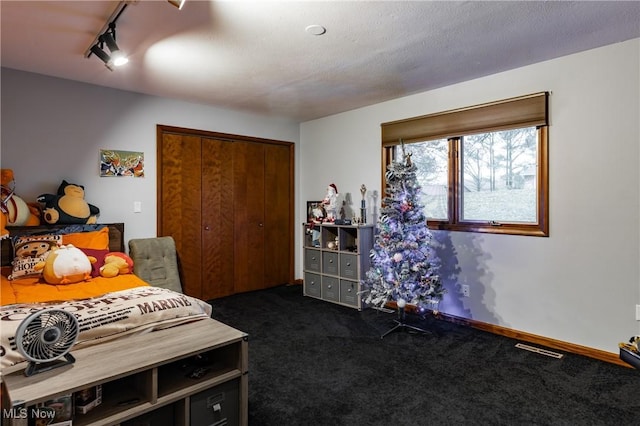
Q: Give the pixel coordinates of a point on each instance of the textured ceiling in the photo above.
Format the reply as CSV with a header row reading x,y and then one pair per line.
x,y
256,55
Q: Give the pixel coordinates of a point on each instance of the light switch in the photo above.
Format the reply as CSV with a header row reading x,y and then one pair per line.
x,y
137,206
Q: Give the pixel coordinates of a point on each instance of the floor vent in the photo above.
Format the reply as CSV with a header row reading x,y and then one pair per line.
x,y
539,351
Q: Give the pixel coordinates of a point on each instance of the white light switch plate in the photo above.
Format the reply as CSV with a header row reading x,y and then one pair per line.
x,y
137,206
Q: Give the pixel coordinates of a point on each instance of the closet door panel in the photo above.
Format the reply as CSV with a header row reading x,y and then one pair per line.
x,y
278,216
217,219
180,204
227,201
249,223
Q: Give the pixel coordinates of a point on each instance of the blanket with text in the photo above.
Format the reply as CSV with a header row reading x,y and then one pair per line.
x,y
126,312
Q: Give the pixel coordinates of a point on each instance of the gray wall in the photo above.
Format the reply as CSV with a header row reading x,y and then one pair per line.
x,y
53,129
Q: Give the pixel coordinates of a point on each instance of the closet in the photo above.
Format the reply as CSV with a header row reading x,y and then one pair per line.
x,y
227,200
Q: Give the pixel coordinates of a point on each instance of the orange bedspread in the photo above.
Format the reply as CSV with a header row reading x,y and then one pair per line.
x,y
31,290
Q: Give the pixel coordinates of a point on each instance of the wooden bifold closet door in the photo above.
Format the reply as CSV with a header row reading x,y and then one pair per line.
x,y
228,202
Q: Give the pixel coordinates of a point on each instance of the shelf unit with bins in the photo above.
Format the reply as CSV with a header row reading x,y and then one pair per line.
x,y
336,257
146,377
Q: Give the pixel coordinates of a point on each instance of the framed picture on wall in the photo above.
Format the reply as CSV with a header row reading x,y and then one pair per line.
x,y
115,162
315,211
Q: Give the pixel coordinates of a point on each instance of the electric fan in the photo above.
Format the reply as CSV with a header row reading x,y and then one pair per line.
x,y
46,336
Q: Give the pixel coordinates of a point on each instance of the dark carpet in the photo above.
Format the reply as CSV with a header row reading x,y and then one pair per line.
x,y
317,363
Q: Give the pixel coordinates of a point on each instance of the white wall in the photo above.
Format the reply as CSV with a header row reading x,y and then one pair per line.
x,y
582,283
53,129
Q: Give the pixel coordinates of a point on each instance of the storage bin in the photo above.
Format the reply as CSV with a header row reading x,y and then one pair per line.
x,y
330,288
217,406
312,285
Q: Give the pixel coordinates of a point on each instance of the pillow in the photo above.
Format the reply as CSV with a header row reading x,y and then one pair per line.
x,y
30,250
97,240
99,255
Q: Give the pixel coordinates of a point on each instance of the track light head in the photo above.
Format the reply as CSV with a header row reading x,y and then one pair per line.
x,y
97,50
177,3
117,57
107,38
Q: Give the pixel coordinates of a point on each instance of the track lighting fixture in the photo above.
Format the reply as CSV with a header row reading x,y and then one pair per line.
x,y
107,36
115,57
177,3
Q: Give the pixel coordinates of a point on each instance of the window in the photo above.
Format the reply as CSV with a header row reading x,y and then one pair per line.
x,y
483,168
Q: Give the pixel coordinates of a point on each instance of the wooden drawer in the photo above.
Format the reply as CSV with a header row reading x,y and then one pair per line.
x,y
330,289
330,263
349,293
312,285
312,260
349,266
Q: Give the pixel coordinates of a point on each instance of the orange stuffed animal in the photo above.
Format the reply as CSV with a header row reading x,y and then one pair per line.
x,y
15,211
116,263
3,226
65,265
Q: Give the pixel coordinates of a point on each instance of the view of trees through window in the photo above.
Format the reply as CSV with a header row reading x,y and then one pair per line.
x,y
497,172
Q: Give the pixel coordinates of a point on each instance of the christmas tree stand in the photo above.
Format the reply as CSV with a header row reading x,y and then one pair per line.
x,y
401,323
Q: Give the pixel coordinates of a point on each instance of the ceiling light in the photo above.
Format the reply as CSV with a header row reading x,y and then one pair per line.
x,y
117,56
177,3
107,36
316,30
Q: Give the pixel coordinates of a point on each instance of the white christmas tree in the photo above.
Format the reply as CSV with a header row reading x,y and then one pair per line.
x,y
403,263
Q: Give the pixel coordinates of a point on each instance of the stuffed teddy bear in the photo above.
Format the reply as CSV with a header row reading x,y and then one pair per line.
x,y
65,265
15,211
116,263
68,206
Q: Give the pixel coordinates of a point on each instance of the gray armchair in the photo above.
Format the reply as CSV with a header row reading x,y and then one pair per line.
x,y
156,262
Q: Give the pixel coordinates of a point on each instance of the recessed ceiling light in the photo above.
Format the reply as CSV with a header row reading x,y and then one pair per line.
x,y
316,30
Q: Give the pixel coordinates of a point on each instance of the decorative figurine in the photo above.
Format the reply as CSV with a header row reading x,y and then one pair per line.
x,y
331,202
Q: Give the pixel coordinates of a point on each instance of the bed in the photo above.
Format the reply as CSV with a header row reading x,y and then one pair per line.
x,y
106,308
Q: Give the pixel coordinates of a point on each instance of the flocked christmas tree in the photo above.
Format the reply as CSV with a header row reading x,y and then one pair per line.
x,y
403,262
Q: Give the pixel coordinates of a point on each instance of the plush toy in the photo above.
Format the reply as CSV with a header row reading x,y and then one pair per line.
x,y
65,265
15,211
3,227
116,263
68,206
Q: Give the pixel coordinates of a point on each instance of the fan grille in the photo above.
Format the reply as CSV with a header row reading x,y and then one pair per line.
x,y
46,335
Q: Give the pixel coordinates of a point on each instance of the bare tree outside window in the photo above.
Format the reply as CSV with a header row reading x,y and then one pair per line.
x,y
499,172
